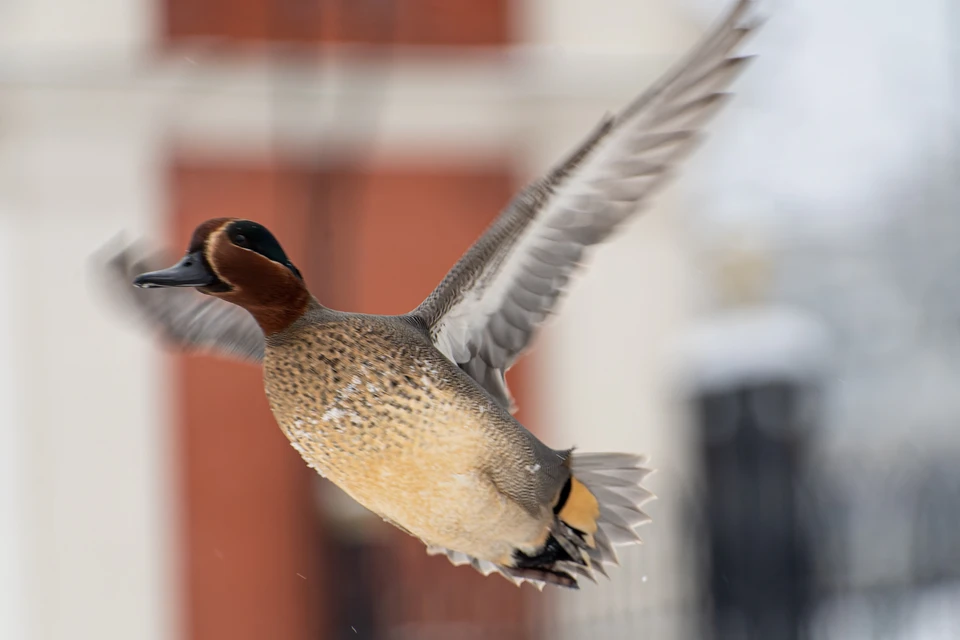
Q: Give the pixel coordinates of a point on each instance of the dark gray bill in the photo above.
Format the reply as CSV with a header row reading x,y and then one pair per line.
x,y
191,271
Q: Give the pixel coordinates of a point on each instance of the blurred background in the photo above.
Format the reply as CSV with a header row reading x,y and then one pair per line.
x,y
780,332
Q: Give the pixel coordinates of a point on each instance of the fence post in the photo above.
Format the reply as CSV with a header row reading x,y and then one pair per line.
x,y
753,377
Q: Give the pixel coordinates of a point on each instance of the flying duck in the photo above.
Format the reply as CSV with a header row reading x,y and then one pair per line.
x,y
410,414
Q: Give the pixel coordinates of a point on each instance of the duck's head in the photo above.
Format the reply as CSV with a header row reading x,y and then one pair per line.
x,y
241,262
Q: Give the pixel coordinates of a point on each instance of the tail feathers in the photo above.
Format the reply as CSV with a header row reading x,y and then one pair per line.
x,y
598,510
615,480
610,490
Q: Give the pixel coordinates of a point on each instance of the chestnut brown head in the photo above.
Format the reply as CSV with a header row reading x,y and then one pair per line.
x,y
241,262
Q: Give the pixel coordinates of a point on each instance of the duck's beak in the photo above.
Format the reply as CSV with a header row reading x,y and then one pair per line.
x,y
192,271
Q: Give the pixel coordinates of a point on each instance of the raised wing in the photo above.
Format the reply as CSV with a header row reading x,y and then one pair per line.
x,y
485,312
188,320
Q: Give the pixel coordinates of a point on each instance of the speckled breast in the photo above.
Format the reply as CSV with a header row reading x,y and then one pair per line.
x,y
373,408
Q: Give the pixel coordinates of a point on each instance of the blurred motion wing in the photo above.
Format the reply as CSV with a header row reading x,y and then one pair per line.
x,y
485,312
187,319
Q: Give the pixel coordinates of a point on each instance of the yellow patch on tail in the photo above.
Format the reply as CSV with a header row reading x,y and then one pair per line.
x,y
581,510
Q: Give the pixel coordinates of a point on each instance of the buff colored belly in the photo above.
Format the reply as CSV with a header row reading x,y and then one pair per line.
x,y
409,452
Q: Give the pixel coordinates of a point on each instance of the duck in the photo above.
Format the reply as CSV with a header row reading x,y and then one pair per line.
x,y
411,414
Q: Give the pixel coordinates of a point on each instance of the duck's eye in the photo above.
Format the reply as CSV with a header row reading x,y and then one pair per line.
x,y
240,240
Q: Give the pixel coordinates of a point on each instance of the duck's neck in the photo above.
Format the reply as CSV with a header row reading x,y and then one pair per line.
x,y
275,318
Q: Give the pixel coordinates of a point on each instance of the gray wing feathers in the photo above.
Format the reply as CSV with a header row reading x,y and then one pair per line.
x,y
486,568
485,312
188,320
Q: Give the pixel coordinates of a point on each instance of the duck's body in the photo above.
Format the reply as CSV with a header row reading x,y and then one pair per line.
x,y
371,404
411,414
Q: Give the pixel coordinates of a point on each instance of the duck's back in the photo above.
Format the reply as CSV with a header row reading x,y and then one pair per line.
x,y
372,405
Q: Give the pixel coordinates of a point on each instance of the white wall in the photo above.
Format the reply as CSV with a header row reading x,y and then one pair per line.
x,y
12,441
96,468
67,33
85,517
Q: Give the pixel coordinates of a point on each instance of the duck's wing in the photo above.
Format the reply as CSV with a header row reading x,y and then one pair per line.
x,y
188,320
486,310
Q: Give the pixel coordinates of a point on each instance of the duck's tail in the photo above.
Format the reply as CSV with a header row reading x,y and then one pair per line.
x,y
598,509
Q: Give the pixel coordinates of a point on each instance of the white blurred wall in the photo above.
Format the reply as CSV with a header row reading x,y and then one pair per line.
x,y
85,518
12,491
69,33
